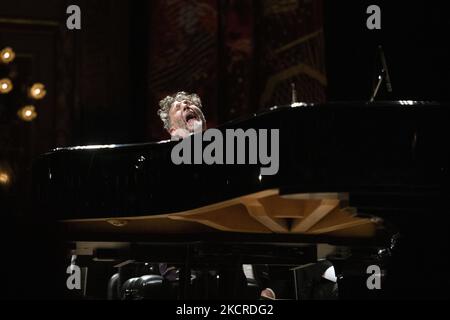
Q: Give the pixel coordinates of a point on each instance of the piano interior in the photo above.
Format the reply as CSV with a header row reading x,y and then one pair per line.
x,y
261,212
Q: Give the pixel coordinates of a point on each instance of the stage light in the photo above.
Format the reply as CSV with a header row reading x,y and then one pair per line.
x,y
5,85
7,55
27,113
4,178
37,91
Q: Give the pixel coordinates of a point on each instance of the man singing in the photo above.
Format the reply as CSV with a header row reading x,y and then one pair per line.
x,y
181,115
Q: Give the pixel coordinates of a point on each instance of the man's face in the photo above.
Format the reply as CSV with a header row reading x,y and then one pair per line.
x,y
185,118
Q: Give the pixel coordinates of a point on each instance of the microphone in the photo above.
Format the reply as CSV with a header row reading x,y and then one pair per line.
x,y
385,70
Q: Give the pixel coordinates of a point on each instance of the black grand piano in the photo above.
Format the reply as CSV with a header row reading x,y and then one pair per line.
x,y
367,180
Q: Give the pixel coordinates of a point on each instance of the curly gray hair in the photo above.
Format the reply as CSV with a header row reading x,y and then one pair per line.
x,y
166,103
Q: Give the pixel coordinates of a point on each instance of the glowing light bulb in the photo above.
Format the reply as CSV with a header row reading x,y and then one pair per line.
x,y
37,91
7,55
27,113
5,86
4,178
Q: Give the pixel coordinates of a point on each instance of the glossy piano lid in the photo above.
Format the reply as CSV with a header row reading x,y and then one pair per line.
x,y
340,104
359,104
385,103
108,146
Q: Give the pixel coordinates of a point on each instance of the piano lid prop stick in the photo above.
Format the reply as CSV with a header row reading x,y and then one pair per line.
x,y
294,93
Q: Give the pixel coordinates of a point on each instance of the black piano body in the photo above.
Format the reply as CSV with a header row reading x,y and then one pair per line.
x,y
386,164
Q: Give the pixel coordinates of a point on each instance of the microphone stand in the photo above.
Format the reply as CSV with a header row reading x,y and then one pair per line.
x,y
384,75
377,87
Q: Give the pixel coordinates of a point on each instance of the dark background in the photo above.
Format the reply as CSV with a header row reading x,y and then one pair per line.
x,y
413,37
99,78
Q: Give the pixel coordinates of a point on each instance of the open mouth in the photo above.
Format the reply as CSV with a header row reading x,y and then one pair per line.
x,y
190,118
